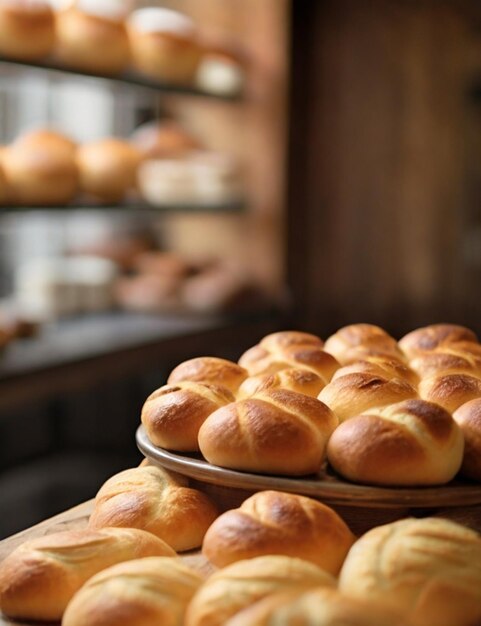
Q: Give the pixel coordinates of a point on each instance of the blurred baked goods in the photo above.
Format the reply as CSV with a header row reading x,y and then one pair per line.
x,y
468,418
273,522
299,380
164,140
38,579
5,191
108,168
276,432
154,590
221,69
46,137
239,585
428,568
91,36
209,370
27,29
410,443
157,501
173,414
148,293
164,44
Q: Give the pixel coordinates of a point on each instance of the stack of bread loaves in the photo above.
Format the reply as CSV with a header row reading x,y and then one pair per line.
x,y
106,37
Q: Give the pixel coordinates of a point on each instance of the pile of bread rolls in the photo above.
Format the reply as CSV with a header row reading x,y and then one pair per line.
x,y
378,411
46,168
107,37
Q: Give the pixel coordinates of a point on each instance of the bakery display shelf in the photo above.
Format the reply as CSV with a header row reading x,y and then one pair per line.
x,y
237,205
126,78
326,486
78,353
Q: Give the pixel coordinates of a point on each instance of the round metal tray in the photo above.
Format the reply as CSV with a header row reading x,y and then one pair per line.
x,y
325,486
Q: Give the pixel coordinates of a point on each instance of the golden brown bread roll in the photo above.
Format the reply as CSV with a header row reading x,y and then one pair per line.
x,y
447,360
273,522
430,337
27,29
354,394
164,44
351,342
468,418
90,41
295,379
239,585
276,432
173,414
316,607
46,137
38,579
410,443
289,339
154,590
151,499
385,367
209,369
429,567
164,140
108,168
450,390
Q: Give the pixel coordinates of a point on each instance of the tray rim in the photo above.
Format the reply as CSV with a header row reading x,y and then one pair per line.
x,y
332,491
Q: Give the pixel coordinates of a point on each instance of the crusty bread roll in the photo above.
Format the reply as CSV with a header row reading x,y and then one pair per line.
x,y
447,360
164,140
173,414
276,432
108,168
239,585
273,522
468,418
38,579
380,366
429,567
358,339
354,394
295,379
154,590
289,339
450,390
209,369
90,41
164,44
27,29
410,443
41,170
151,499
430,337
316,607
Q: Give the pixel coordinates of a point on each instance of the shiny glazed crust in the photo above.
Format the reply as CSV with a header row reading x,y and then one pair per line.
x,y
209,369
468,418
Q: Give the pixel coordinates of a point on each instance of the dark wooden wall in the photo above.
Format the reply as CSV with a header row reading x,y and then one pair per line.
x,y
385,163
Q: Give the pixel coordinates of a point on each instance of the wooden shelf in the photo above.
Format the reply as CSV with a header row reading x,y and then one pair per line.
x,y
127,78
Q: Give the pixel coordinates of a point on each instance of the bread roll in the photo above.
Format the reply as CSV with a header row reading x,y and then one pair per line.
x,y
276,432
47,138
241,584
173,414
164,44
164,140
273,522
379,366
151,499
468,418
299,380
316,607
430,337
362,337
446,360
354,394
429,567
108,169
40,173
89,41
209,369
289,339
38,579
410,443
154,590
27,29
450,390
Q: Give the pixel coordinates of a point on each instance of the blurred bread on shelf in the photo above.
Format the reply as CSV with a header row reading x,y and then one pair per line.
x,y
5,191
164,140
164,44
108,168
45,137
27,29
222,69
162,263
148,293
91,36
